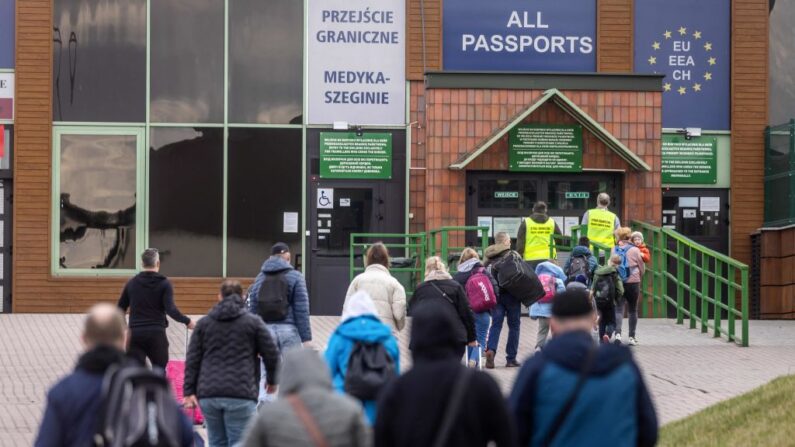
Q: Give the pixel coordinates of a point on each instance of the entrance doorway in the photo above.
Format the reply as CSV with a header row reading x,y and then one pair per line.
x,y
336,208
502,199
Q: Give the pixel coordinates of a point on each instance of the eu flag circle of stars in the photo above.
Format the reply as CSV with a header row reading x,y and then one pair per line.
x,y
698,79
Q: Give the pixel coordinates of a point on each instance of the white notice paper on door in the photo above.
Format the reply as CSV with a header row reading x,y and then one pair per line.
x,y
290,222
485,221
710,204
568,222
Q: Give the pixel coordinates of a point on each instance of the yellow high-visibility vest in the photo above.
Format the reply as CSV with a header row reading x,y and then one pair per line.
x,y
537,239
601,226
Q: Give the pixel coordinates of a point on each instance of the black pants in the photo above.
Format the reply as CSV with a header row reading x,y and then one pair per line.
x,y
607,321
152,344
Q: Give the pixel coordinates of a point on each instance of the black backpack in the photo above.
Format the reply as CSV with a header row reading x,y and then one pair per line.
x,y
274,301
579,269
516,276
605,290
370,367
138,410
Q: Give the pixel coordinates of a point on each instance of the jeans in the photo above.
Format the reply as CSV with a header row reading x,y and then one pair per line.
x,y
286,337
149,343
607,321
512,308
631,293
482,322
226,419
543,332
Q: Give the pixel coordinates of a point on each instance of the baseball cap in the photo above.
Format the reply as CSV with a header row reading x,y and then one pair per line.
x,y
279,248
572,304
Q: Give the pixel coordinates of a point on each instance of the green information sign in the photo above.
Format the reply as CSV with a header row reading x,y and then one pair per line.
x,y
692,161
545,148
577,195
506,194
345,155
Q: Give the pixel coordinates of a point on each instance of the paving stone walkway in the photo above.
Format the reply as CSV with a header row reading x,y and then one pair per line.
x,y
686,370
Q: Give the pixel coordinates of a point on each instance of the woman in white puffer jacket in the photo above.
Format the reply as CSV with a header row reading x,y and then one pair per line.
x,y
386,291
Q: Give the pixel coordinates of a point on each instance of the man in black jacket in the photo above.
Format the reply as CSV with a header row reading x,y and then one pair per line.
x,y
222,371
149,296
412,410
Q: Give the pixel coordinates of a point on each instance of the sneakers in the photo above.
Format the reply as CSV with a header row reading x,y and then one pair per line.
x,y
633,341
617,339
512,364
489,359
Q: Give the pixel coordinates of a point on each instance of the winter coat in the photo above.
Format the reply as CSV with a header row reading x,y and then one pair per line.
x,y
387,293
544,310
150,296
73,404
635,261
466,269
522,231
298,313
612,407
340,418
609,270
493,254
580,250
644,252
465,332
367,329
223,356
412,407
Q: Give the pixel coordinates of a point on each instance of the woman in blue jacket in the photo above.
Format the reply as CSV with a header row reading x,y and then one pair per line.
x,y
360,323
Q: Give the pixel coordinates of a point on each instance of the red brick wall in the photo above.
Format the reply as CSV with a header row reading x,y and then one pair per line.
x,y
458,120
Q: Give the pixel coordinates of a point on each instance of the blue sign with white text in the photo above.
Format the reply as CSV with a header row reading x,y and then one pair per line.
x,y
519,35
690,43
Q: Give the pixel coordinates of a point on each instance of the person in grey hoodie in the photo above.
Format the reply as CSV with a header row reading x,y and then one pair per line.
x,y
308,411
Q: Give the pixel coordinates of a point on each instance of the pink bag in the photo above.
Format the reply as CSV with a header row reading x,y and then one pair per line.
x,y
175,373
480,291
550,287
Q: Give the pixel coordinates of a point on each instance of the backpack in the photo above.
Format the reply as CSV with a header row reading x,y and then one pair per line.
x,y
480,291
274,303
623,268
605,290
515,276
579,269
370,367
137,410
550,287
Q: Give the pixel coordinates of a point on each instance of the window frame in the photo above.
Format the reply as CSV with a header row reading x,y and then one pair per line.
x,y
141,234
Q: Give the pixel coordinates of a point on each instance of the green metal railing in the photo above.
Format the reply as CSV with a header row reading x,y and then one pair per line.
x,y
704,280
411,266
601,251
439,243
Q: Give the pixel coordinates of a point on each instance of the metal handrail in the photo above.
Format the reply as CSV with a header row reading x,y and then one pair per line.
x,y
414,246
445,249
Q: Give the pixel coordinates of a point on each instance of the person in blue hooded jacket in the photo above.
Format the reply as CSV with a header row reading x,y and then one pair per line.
x,y
543,311
360,323
582,250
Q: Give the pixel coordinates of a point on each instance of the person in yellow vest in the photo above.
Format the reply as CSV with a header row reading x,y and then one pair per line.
x,y
533,237
602,223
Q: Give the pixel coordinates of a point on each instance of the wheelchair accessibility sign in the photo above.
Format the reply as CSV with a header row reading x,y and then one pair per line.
x,y
325,198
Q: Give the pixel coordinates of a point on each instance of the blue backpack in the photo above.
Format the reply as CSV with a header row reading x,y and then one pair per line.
x,y
623,268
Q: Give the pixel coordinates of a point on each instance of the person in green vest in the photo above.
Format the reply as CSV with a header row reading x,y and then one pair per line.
x,y
602,223
533,237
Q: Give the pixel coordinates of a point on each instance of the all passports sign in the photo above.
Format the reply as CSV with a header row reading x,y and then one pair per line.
x,y
357,62
520,35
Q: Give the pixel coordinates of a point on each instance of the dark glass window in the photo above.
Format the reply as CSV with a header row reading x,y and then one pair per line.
x,y
507,194
97,202
264,183
99,60
265,61
557,199
187,61
186,199
6,33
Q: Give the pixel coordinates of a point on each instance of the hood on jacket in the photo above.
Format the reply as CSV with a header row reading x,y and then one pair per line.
x,y
303,369
581,250
99,359
469,264
149,279
569,350
539,218
433,332
275,264
549,268
230,308
606,270
495,251
365,328
360,303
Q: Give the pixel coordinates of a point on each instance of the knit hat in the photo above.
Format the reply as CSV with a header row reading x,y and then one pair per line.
x,y
636,234
572,304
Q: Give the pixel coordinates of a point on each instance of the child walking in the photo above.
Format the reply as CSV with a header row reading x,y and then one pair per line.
x,y
607,290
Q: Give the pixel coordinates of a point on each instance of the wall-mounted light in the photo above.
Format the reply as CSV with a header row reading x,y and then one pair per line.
x,y
690,132
359,131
